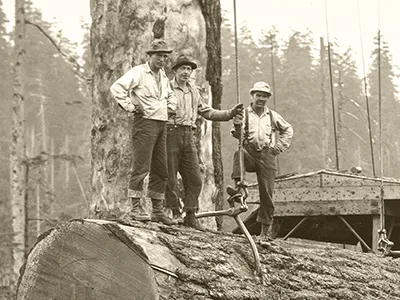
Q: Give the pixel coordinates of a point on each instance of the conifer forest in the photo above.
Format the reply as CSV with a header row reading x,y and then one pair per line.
x,y
58,108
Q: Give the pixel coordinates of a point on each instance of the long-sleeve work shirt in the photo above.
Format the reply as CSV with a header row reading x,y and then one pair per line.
x,y
261,133
190,104
140,87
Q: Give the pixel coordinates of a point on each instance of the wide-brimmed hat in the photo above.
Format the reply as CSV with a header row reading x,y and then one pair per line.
x,y
183,60
158,46
261,86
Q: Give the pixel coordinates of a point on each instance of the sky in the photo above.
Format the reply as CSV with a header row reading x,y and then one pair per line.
x,y
286,15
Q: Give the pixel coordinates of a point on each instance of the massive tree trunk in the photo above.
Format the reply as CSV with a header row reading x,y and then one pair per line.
x,y
95,259
17,143
121,33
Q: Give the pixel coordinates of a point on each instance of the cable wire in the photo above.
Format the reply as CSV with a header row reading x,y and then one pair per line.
x,y
241,163
366,93
331,84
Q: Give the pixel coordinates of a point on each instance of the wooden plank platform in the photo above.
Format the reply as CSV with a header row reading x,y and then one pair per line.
x,y
331,195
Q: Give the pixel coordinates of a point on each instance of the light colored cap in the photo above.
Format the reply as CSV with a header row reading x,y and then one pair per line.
x,y
261,86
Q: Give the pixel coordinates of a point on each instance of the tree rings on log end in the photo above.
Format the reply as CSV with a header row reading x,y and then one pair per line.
x,y
85,261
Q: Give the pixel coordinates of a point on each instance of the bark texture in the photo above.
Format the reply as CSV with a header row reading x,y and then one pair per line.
x,y
94,259
17,142
120,35
212,15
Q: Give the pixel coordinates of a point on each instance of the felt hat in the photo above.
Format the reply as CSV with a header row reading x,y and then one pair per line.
x,y
183,60
158,46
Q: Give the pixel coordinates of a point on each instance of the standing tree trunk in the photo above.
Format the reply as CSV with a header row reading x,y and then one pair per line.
x,y
212,15
120,35
17,142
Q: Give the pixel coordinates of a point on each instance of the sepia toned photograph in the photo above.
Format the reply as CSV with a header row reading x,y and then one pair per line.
x,y
199,150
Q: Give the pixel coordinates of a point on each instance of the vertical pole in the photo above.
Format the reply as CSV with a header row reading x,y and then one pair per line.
x,y
273,88
241,158
331,85
366,96
325,132
382,196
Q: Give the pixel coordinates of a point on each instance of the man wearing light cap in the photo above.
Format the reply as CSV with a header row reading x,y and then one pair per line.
x,y
181,143
145,91
265,135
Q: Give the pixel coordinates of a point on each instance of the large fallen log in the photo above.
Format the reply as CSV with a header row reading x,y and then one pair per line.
x,y
95,259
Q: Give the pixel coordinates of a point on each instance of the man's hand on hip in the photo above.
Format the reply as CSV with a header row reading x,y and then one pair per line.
x,y
171,113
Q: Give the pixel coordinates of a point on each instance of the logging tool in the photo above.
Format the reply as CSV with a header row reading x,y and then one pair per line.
x,y
240,195
234,212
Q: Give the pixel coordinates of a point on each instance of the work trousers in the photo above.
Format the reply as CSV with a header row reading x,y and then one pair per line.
x,y
149,155
263,164
182,158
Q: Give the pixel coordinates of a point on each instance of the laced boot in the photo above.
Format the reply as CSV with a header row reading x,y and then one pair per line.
x,y
177,216
264,238
137,212
159,215
191,221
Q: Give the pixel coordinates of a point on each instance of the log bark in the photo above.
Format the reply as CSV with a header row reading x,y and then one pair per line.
x,y
120,35
95,259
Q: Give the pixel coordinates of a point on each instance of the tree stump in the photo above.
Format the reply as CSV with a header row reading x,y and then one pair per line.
x,y
96,259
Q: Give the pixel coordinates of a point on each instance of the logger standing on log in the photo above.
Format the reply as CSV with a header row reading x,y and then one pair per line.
x,y
261,144
145,91
181,144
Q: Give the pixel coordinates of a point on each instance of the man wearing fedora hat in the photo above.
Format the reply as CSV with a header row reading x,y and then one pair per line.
x,y
265,135
181,144
145,91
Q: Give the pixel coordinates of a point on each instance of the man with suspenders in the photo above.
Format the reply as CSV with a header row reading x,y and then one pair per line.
x,y
265,135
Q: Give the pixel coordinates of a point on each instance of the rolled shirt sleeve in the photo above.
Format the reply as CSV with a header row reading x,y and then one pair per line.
x,y
172,102
285,132
209,113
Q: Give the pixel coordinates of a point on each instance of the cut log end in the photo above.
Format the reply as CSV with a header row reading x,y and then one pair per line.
x,y
96,259
85,261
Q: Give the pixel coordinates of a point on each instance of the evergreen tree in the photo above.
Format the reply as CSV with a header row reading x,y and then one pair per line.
x,y
390,108
350,117
270,64
352,128
299,104
229,98
56,110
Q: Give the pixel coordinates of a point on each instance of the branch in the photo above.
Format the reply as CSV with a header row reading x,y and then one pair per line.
x,y
69,58
43,157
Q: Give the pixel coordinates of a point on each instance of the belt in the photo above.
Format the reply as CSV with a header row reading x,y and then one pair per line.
x,y
180,127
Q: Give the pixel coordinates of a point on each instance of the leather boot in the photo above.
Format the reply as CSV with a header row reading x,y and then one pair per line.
x,y
191,221
137,212
159,215
177,215
264,238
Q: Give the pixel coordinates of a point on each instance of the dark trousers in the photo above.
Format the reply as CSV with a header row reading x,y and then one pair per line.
x,y
263,164
149,155
182,158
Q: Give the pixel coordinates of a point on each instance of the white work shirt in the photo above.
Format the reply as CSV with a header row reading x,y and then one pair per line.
x,y
262,134
260,129
139,87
